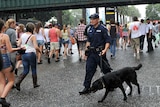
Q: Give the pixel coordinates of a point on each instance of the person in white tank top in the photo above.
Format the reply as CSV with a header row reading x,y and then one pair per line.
x,y
41,39
28,40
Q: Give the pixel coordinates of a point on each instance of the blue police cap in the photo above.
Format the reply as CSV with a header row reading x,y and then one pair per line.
x,y
94,16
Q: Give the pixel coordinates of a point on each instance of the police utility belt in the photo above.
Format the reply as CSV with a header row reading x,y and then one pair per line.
x,y
96,49
93,50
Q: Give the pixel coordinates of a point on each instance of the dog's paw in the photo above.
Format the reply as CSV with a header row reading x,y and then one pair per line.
x,y
100,101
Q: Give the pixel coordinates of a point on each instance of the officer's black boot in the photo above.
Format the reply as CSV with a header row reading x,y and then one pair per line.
x,y
85,91
20,79
35,85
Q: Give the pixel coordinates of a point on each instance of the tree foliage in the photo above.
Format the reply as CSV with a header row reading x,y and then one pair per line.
x,y
128,11
72,17
153,11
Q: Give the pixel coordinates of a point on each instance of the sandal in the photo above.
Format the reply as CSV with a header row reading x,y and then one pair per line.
x,y
57,60
39,62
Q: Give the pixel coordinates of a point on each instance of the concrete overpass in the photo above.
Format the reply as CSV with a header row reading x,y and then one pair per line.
x,y
38,5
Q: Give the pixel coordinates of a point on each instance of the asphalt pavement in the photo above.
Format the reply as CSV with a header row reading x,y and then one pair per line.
x,y
60,83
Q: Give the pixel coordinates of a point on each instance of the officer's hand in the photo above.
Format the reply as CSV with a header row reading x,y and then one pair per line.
x,y
86,52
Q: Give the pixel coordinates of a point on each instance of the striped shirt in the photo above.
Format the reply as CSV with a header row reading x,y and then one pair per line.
x,y
79,34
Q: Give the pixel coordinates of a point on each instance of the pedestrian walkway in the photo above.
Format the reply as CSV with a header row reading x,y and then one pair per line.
x,y
61,81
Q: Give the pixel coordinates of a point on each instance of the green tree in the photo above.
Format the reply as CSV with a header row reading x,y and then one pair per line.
x,y
71,16
133,11
153,11
123,10
66,17
128,11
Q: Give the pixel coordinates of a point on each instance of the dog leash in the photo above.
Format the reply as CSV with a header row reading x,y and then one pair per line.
x,y
101,73
102,81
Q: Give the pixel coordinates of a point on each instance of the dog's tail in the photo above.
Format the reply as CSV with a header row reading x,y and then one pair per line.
x,y
138,67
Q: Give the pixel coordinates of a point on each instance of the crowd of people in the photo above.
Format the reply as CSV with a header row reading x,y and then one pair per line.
x,y
134,34
26,44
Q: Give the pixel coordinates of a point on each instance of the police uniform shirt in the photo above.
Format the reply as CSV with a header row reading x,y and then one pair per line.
x,y
98,36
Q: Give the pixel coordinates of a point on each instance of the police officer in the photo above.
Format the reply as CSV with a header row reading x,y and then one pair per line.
x,y
98,41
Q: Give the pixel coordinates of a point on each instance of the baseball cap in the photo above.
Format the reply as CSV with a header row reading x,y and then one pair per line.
x,y
94,16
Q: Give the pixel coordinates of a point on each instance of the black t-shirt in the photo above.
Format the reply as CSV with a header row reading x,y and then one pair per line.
x,y
113,31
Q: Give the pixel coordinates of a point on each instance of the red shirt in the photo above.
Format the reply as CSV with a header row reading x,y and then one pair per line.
x,y
53,35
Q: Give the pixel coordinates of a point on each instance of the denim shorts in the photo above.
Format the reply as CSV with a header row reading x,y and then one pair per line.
x,y
6,61
65,41
40,42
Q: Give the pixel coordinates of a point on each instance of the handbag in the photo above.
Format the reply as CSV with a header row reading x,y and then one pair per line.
x,y
22,51
73,41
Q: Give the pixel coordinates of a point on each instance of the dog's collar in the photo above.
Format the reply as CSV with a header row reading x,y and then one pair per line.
x,y
103,82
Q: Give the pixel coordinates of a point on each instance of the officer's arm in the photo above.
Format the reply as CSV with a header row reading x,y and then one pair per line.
x,y
107,41
87,45
106,48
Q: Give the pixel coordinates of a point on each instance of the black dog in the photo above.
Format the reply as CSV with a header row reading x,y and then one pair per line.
x,y
115,80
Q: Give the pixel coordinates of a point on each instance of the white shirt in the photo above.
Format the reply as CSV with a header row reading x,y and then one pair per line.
x,y
29,46
142,28
39,35
149,27
46,33
134,27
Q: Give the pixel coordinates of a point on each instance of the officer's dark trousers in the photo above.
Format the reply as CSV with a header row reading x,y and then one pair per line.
x,y
149,41
91,65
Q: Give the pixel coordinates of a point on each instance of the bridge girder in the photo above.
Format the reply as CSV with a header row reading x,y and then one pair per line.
x,y
71,5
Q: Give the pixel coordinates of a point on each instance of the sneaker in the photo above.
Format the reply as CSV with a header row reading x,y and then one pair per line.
x,y
113,57
138,56
141,51
64,57
68,54
134,54
21,65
